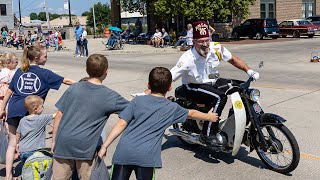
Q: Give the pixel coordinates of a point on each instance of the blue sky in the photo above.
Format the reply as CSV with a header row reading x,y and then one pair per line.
x,y
54,6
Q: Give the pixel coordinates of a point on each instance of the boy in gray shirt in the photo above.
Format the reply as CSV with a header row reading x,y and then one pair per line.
x,y
143,124
83,111
31,130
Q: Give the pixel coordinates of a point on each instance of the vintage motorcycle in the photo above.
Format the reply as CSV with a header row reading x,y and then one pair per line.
x,y
246,124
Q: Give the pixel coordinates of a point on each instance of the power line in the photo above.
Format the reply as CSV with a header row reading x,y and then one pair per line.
x,y
28,10
29,4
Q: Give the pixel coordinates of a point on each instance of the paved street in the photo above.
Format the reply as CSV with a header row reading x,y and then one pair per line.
x,y
289,86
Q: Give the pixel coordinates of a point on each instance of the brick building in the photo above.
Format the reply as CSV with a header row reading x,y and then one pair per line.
x,y
279,9
284,9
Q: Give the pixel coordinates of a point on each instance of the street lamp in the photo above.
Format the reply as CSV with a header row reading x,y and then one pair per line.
x,y
94,22
70,23
20,12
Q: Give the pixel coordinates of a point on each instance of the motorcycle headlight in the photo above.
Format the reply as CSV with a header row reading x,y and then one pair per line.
x,y
254,95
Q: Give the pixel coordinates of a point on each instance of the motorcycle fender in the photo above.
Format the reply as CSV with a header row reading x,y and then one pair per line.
x,y
240,121
268,118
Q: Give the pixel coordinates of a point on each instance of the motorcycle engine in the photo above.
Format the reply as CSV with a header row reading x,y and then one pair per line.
x,y
191,126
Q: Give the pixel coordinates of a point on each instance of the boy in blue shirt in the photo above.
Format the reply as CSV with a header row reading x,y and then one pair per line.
x,y
143,124
83,111
31,130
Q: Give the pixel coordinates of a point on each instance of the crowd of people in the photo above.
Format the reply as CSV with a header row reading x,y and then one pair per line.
x,y
161,37
21,39
84,108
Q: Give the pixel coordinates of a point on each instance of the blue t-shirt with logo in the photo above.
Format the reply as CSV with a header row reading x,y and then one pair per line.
x,y
148,117
37,81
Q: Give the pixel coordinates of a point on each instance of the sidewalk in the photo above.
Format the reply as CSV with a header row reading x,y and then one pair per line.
x,y
96,46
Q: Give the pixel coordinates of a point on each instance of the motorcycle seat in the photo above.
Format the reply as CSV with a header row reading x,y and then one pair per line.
x,y
180,93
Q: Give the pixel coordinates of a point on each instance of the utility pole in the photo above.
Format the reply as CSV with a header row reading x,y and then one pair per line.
x,y
20,11
94,21
70,23
47,13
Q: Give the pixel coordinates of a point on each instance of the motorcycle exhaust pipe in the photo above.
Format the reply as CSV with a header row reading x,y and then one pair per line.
x,y
186,136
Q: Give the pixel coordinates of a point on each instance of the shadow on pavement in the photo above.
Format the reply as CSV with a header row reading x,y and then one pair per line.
x,y
3,172
210,156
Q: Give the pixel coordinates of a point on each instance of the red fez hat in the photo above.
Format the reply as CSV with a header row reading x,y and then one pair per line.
x,y
200,29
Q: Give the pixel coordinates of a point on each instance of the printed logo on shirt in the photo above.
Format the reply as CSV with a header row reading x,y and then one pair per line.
x,y
29,83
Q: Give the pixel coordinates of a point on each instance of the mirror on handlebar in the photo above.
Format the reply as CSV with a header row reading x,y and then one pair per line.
x,y
261,64
214,76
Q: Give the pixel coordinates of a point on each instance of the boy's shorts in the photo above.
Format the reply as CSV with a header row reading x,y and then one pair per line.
x,y
123,172
14,121
63,168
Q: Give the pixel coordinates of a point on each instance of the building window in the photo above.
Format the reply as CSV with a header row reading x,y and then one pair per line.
x,y
267,9
3,10
307,8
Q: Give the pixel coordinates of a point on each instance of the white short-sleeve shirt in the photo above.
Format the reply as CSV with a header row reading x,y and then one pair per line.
x,y
194,68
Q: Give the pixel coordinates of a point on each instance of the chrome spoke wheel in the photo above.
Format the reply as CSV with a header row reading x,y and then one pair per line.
x,y
282,153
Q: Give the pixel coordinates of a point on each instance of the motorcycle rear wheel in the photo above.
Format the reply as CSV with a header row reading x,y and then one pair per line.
x,y
184,141
283,154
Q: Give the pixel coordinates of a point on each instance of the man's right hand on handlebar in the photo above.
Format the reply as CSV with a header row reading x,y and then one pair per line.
x,y
255,75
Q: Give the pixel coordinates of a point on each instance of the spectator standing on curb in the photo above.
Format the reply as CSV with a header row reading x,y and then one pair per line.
x,y
5,36
78,32
55,39
143,124
83,111
39,27
30,79
211,31
21,29
138,25
85,41
60,42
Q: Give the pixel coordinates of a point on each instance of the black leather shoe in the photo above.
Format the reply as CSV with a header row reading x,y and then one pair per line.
x,y
212,140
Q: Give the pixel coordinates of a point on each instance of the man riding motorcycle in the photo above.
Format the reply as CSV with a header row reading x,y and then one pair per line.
x,y
196,66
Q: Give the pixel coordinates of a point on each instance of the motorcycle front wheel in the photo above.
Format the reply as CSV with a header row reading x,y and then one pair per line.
x,y
283,154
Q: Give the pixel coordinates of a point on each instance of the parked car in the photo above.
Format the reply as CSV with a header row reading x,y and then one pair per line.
x,y
297,28
314,20
258,28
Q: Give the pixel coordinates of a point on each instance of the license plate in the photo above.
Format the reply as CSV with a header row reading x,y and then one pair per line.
x,y
274,33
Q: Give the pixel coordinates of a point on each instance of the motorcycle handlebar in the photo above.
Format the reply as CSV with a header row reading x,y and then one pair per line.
x,y
246,85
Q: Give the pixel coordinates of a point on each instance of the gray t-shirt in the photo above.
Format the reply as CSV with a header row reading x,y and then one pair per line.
x,y
148,117
32,129
86,108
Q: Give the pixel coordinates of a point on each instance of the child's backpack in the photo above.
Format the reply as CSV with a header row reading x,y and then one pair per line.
x,y
37,165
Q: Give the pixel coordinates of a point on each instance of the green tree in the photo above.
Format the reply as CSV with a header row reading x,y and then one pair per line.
x,y
42,16
133,5
166,8
193,9
86,13
240,8
102,15
54,16
33,16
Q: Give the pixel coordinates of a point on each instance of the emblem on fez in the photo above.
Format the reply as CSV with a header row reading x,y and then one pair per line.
x,y
202,28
